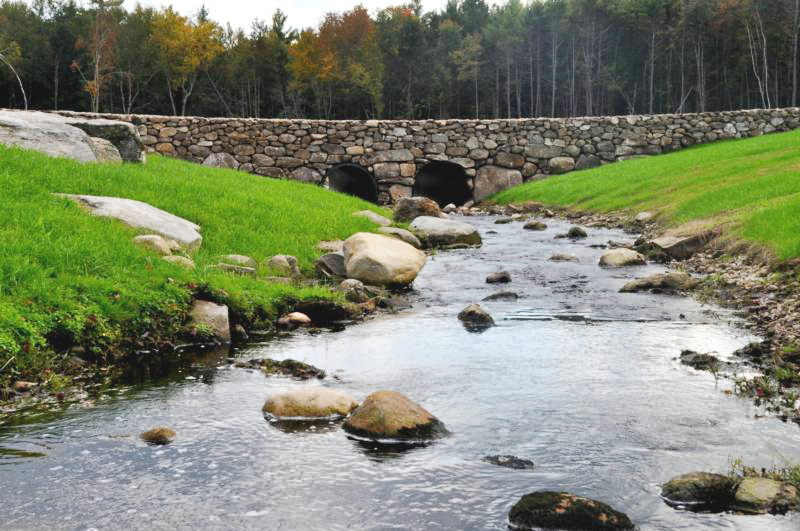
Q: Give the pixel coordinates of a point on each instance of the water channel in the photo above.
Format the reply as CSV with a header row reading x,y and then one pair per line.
x,y
577,377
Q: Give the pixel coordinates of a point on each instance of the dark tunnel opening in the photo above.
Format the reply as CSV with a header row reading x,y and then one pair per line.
x,y
444,182
353,179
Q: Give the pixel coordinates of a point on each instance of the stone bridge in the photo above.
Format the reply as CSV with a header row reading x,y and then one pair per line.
x,y
451,161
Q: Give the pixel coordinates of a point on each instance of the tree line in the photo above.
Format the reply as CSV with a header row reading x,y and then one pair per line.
x,y
468,60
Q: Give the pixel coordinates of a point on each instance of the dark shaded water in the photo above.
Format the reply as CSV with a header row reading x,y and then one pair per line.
x,y
576,377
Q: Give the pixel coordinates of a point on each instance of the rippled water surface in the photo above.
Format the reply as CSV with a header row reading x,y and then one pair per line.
x,y
580,379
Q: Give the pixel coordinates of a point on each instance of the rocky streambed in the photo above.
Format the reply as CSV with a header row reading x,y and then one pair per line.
x,y
576,381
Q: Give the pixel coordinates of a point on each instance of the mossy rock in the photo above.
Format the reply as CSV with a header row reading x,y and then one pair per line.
x,y
391,415
699,491
561,510
158,436
762,495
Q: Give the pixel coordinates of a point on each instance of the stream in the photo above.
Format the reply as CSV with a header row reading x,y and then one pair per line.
x,y
578,378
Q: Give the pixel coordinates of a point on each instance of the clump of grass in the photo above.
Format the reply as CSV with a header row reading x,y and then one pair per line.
x,y
753,184
67,278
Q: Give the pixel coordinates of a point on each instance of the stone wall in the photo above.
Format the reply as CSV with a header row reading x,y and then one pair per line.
x,y
494,154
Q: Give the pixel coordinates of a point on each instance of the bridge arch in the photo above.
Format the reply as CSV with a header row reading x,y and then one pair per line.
x,y
353,179
444,182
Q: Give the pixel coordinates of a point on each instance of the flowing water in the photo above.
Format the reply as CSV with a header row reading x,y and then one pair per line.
x,y
580,379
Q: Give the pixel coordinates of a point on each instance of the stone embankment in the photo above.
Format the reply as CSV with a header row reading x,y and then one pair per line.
x,y
449,160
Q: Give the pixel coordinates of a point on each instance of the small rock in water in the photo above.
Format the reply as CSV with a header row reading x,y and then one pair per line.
x,y
473,316
535,225
509,461
561,510
503,221
699,491
293,368
502,296
661,283
294,320
501,277
562,257
576,233
450,207
701,362
158,436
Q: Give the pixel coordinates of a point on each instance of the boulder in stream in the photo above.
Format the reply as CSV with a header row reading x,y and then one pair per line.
x,y
699,491
576,233
437,232
309,403
622,258
502,296
561,510
410,208
535,225
389,415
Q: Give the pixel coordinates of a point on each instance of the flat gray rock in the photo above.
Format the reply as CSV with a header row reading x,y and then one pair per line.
x,y
140,215
122,134
47,133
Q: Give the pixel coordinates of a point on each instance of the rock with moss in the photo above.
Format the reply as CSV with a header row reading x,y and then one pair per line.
x,y
662,283
206,315
239,260
763,495
576,233
181,261
354,290
699,491
561,510
289,367
699,361
158,436
473,316
510,461
535,225
284,265
563,257
389,415
309,403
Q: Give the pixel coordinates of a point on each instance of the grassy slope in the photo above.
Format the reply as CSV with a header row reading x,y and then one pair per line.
x,y
70,278
754,183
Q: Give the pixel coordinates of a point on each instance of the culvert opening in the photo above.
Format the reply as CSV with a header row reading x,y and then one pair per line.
x,y
353,179
444,182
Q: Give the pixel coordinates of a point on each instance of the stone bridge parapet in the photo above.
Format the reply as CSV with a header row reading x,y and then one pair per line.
x,y
448,160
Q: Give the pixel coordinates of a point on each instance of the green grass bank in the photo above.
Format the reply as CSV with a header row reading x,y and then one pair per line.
x,y
70,279
752,186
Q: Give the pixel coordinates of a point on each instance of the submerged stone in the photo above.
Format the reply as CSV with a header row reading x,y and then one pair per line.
x,y
502,296
500,277
701,362
509,461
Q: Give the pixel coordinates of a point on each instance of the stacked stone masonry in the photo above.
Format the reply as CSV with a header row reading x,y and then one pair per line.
x,y
494,154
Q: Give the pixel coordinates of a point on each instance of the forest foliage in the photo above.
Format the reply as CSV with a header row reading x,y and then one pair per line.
x,y
470,59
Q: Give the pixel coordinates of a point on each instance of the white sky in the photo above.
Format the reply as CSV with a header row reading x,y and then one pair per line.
x,y
301,13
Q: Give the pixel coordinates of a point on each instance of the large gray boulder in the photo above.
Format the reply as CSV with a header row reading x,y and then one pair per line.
x,y
381,260
437,232
122,134
493,179
140,215
47,133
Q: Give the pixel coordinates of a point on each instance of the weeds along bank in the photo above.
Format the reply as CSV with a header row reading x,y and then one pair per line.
x,y
69,280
